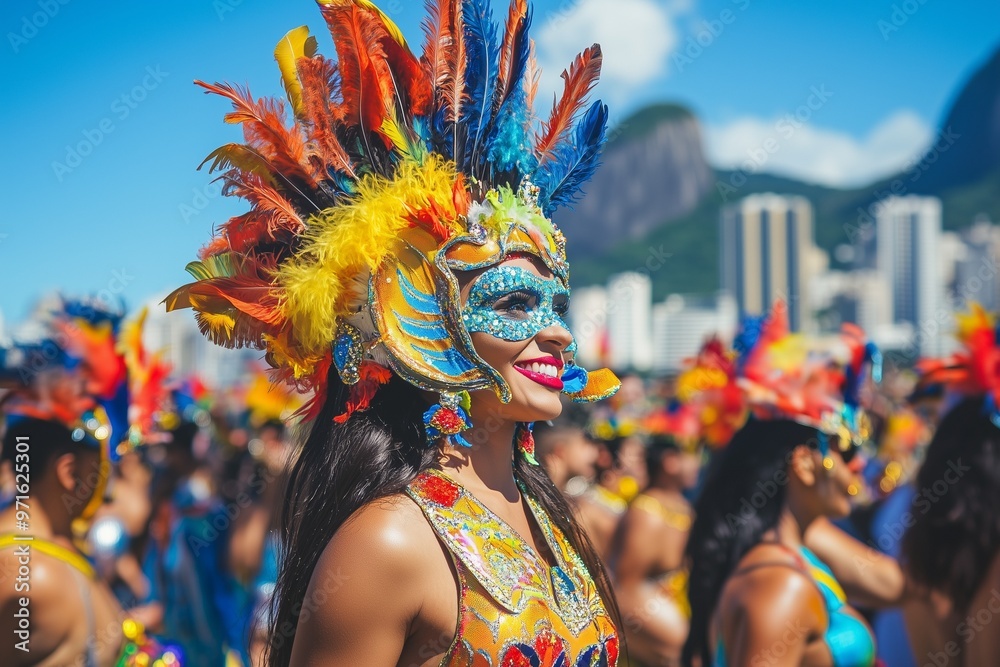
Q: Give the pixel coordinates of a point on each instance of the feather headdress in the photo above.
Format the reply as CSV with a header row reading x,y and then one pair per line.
x,y
708,389
787,376
395,171
75,377
974,370
151,412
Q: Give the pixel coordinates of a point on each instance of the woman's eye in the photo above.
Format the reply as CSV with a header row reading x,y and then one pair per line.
x,y
516,305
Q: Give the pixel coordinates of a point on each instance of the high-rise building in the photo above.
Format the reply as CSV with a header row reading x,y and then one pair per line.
x,y
977,277
908,234
588,319
681,324
767,254
629,302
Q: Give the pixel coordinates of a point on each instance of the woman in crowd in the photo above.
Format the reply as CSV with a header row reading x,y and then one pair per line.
x,y
758,594
951,550
649,574
400,261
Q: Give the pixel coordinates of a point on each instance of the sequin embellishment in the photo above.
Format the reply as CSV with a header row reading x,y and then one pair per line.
x,y
516,610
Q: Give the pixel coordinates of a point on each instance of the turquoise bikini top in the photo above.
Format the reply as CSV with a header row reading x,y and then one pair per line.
x,y
850,641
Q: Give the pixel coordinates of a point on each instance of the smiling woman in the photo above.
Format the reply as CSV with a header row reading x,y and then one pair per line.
x,y
399,262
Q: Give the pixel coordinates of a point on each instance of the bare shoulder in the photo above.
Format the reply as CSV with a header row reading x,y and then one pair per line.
x,y
372,586
51,589
383,543
770,588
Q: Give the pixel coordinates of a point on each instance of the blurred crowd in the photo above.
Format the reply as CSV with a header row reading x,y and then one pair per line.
x,y
184,544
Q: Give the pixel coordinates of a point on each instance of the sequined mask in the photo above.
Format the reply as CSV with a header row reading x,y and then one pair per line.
x,y
513,304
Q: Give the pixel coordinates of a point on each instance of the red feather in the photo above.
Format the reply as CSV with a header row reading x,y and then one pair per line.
x,y
323,111
444,55
366,82
404,68
373,376
271,216
579,80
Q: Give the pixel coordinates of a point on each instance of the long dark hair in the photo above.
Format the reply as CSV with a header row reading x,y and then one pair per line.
x,y
956,533
741,500
375,453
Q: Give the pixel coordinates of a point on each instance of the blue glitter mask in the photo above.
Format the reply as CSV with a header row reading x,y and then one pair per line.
x,y
514,304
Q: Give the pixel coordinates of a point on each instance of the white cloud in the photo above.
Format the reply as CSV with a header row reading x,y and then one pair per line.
x,y
636,38
820,155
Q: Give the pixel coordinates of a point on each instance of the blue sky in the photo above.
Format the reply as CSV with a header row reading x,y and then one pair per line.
x,y
126,211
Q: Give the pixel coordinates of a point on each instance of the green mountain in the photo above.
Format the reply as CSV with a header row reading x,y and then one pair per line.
x,y
681,252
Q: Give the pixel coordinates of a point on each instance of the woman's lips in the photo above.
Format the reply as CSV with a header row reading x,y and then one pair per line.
x,y
546,380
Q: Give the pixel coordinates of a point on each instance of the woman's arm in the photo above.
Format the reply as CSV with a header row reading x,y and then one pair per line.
x,y
367,589
869,577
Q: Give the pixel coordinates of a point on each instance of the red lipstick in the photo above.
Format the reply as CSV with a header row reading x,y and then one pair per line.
x,y
542,379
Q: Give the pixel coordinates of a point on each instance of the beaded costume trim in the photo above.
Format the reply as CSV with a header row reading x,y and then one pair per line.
x,y
531,601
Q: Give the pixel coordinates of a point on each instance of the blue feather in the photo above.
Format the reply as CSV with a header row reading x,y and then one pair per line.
x,y
747,338
510,148
480,77
561,178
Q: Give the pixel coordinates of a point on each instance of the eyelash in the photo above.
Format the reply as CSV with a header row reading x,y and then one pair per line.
x,y
513,299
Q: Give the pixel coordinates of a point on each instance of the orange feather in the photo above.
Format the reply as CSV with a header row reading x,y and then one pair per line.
x,y
531,75
323,111
579,80
264,130
366,82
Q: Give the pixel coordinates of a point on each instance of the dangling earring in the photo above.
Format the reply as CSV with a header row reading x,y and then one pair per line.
x,y
824,449
448,418
525,440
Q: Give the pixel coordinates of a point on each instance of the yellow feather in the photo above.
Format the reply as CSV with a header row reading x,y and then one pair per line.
x,y
294,45
347,240
390,27
391,130
219,325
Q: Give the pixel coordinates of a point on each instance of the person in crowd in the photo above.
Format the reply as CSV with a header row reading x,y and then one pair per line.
x,y
952,548
568,456
603,503
758,594
406,270
61,445
649,572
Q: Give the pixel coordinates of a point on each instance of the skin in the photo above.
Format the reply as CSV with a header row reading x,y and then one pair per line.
x,y
384,592
774,613
598,521
647,548
58,637
939,632
568,453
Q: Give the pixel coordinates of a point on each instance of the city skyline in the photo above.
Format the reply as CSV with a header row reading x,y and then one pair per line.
x,y
126,210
